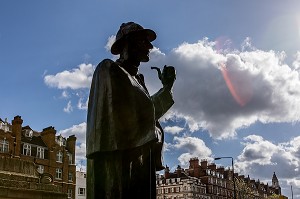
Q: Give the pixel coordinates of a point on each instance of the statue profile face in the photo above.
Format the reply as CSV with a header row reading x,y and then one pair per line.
x,y
139,47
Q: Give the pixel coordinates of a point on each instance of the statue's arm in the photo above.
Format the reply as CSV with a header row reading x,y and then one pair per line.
x,y
162,100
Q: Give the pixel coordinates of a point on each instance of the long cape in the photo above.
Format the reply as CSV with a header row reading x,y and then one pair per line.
x,y
121,113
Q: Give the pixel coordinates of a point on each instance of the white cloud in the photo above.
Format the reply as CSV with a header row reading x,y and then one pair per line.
x,y
247,45
68,108
257,150
173,129
296,62
80,153
77,78
65,94
110,42
78,130
193,146
225,92
82,105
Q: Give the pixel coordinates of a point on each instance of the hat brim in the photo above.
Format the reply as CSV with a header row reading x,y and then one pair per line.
x,y
117,46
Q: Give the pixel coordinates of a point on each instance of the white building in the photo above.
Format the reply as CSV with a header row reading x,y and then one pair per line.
x,y
80,185
180,186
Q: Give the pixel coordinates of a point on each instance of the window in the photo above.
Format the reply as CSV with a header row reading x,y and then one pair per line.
x,y
58,173
40,152
70,193
70,158
27,149
4,146
70,177
81,191
60,141
59,156
40,168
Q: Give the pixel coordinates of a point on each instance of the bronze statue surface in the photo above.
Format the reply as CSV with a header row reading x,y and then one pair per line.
x,y
124,138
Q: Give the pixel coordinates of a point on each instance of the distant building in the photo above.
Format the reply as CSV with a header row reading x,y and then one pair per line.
x,y
50,153
207,181
80,185
179,185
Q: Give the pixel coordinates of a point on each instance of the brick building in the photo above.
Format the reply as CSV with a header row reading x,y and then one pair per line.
x,y
206,180
19,179
50,153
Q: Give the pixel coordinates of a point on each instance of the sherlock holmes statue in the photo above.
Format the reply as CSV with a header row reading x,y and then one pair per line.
x,y
124,139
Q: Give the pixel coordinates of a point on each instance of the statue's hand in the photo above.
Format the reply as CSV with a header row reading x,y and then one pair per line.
x,y
168,77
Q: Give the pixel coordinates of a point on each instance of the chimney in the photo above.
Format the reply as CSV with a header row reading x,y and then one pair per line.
x,y
178,171
204,164
212,166
167,172
71,145
48,136
194,163
16,132
220,170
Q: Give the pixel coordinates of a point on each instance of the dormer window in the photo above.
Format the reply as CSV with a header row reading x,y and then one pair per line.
x,y
28,133
4,126
60,141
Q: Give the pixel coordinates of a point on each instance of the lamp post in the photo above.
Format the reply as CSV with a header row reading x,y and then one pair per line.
x,y
234,189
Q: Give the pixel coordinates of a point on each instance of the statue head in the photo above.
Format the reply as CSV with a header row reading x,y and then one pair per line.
x,y
130,29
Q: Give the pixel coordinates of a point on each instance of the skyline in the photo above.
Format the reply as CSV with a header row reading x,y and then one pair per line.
x,y
237,88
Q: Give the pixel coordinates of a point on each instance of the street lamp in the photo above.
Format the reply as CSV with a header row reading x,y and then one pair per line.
x,y
234,189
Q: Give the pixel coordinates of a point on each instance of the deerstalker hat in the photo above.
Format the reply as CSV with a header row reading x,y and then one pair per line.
x,y
127,29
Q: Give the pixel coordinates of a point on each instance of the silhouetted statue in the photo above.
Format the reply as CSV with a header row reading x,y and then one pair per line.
x,y
124,138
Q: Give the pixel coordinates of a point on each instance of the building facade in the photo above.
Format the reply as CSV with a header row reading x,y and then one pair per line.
x,y
206,180
179,185
19,179
51,153
80,185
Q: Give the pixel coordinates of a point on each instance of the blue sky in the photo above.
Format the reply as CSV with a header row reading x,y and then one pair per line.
x,y
237,88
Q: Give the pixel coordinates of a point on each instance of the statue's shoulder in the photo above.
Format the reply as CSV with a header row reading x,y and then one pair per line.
x,y
107,65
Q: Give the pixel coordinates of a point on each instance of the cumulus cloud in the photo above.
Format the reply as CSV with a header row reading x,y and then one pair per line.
x,y
77,78
222,91
216,90
78,130
192,147
173,129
